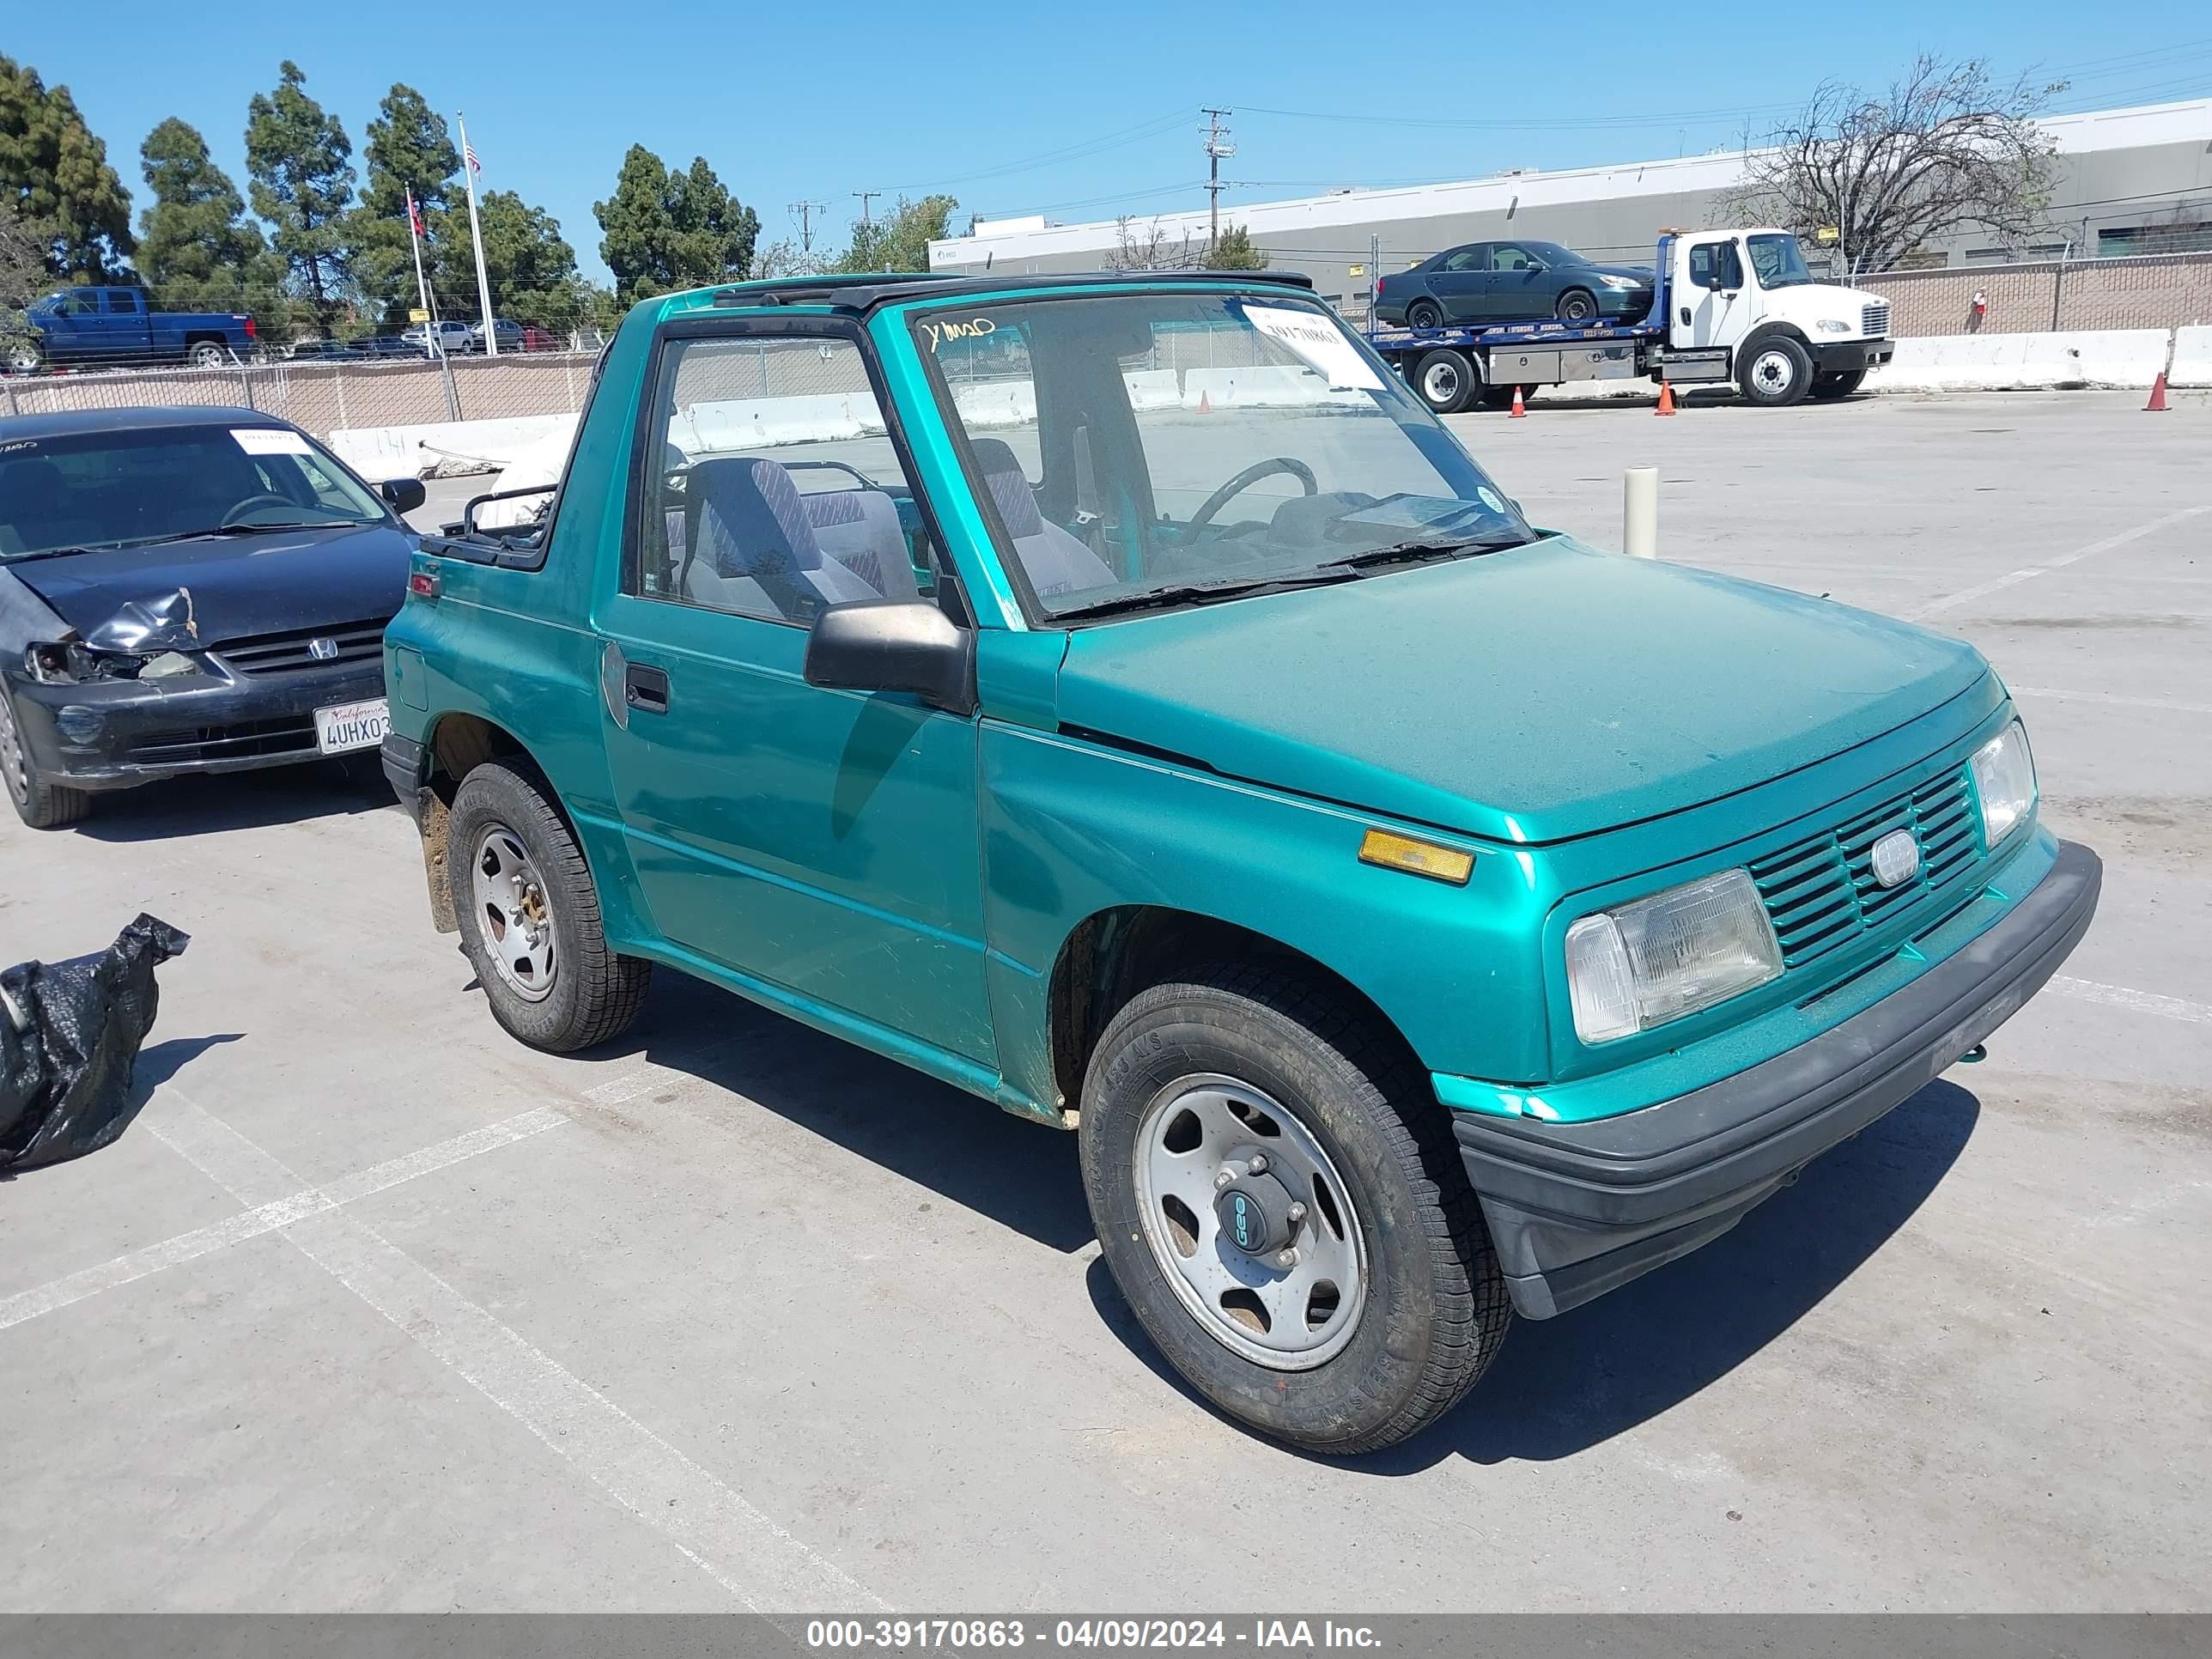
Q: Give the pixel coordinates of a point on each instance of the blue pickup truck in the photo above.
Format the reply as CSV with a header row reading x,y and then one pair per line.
x,y
114,325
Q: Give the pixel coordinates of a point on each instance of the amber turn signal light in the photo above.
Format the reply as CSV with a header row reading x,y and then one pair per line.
x,y
1416,858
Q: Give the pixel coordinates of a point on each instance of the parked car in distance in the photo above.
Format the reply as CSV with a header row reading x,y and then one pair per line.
x,y
1502,282
115,326
184,590
538,339
509,335
1242,783
449,336
391,345
309,350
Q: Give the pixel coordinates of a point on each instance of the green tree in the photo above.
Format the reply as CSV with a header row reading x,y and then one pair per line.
x,y
1233,251
54,173
298,159
529,265
899,241
197,249
23,277
664,230
409,147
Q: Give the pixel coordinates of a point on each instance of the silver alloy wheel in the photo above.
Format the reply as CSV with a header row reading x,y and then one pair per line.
x,y
15,764
1441,384
511,911
1773,370
1207,1138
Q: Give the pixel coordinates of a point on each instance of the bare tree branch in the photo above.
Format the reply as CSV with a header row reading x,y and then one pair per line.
x,y
1943,149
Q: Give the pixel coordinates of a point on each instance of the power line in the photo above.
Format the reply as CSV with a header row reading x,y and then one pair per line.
x,y
805,212
866,196
1217,147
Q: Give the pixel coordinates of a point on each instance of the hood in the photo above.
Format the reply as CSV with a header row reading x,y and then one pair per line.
x,y
1642,274
239,586
1528,695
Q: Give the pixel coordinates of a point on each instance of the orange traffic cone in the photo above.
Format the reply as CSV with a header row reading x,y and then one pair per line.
x,y
2157,404
1204,404
1519,413
1666,399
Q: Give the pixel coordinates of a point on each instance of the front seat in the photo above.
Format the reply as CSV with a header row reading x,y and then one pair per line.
x,y
1054,562
755,551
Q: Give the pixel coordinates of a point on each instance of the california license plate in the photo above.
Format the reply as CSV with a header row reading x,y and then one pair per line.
x,y
351,726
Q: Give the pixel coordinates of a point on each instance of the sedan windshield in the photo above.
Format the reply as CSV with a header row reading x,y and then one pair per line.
x,y
139,487
1153,449
1552,254
1779,261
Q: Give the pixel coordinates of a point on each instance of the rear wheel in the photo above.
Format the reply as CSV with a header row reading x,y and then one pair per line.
x,y
205,354
1830,387
530,917
40,804
1445,381
1425,313
1775,372
1576,305
1279,1198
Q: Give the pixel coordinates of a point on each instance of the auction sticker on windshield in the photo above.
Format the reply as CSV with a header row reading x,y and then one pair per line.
x,y
1319,341
269,440
351,726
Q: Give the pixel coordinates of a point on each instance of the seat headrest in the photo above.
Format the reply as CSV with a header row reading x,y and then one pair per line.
x,y
751,521
1009,485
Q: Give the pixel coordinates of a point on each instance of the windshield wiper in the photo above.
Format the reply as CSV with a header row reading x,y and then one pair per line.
x,y
260,529
1202,592
1409,552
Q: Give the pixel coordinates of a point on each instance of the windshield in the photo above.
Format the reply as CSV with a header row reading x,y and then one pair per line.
x,y
1134,448
93,489
1552,254
1778,260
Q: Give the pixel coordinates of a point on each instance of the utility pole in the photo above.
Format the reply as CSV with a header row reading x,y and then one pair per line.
x,y
866,196
806,211
1216,146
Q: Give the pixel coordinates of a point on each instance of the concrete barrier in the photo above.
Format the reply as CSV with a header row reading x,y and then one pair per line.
x,y
996,403
1271,384
2192,357
1155,388
445,448
1998,362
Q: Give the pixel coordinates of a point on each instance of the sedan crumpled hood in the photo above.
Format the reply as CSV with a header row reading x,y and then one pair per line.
x,y
1532,695
240,587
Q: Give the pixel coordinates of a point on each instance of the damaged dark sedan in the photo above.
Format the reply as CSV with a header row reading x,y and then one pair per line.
x,y
185,590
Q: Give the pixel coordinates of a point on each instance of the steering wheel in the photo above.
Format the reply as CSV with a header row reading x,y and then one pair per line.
x,y
1244,480
237,513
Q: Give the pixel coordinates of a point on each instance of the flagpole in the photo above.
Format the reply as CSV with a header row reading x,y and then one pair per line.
x,y
469,169
414,241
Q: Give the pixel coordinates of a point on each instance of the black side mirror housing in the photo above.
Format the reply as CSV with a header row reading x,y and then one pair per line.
x,y
402,495
894,644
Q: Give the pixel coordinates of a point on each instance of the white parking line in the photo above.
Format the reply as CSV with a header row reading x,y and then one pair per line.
x,y
2106,545
2140,1002
2164,704
709,1524
267,1218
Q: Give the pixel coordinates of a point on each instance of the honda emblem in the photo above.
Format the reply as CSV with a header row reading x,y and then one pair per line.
x,y
322,650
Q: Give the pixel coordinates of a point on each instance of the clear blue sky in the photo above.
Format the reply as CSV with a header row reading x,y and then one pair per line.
x,y
1078,111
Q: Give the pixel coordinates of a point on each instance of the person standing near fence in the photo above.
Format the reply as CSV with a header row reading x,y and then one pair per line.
x,y
1977,309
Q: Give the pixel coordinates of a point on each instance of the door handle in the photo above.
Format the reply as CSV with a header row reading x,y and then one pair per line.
x,y
645,688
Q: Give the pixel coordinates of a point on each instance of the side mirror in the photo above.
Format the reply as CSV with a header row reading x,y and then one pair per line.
x,y
894,644
403,494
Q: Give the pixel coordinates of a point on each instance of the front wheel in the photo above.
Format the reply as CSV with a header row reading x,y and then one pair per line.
x,y
1576,305
39,802
1280,1200
1445,381
530,917
1775,372
1828,388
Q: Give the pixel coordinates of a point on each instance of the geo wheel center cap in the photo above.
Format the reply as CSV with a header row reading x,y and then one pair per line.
x,y
1256,1214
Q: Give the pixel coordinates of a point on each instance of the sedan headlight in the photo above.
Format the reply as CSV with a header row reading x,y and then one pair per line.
x,y
1620,284
1833,325
1642,964
2004,782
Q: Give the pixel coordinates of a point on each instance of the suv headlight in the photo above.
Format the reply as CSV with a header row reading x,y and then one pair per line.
x,y
1642,964
1833,325
2004,782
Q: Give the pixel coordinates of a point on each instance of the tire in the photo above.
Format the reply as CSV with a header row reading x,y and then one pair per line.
x,y
1501,397
1577,305
1444,381
204,354
40,804
1774,372
1421,1309
574,992
1831,388
1425,313
25,359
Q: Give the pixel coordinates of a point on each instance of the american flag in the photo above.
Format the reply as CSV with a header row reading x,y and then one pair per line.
x,y
468,155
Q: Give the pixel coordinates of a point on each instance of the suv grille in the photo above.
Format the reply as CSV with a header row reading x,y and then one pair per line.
x,y
1874,320
287,652
1820,892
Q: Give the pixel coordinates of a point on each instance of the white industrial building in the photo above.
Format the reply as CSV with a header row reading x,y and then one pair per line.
x,y
2129,182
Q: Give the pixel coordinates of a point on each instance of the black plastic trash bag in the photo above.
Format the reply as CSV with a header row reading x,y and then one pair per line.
x,y
69,1034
